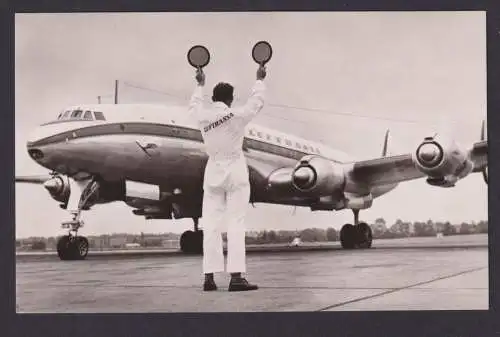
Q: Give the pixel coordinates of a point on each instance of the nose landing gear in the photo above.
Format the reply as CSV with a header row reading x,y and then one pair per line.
x,y
73,247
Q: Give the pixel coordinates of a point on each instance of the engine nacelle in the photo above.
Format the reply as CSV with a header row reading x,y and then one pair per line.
x,y
155,212
137,190
443,162
59,189
318,176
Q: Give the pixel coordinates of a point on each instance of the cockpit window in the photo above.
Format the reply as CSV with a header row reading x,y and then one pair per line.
x,y
99,115
88,115
79,115
76,113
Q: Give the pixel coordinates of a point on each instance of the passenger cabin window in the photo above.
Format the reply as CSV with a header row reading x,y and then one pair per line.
x,y
268,137
251,132
288,142
87,115
99,116
278,139
259,134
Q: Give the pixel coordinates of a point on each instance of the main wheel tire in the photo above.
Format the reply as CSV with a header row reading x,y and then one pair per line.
x,y
80,248
364,235
186,241
64,250
192,242
348,236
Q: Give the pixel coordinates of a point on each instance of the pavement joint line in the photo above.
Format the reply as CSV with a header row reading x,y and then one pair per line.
x,y
260,287
125,254
359,299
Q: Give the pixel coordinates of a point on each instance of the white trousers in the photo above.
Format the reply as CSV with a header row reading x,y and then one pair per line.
x,y
224,208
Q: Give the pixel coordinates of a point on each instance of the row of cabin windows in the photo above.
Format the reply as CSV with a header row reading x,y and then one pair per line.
x,y
80,114
287,142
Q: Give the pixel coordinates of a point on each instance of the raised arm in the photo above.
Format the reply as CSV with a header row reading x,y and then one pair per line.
x,y
256,100
196,101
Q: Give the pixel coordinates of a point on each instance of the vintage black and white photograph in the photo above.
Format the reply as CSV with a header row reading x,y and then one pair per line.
x,y
251,162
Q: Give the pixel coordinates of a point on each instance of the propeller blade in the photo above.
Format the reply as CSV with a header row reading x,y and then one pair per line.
x,y
41,179
483,137
445,128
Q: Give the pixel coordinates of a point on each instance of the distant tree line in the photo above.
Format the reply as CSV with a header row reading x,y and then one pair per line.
x,y
400,229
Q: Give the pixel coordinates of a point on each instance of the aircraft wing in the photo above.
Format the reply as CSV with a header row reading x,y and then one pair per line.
x,y
440,160
396,169
385,170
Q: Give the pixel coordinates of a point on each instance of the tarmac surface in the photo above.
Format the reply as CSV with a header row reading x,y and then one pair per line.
x,y
448,273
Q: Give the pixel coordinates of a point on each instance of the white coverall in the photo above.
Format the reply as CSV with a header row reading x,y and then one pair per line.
x,y
226,181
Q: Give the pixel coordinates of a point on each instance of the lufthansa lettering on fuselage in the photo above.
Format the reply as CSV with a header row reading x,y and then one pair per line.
x,y
218,122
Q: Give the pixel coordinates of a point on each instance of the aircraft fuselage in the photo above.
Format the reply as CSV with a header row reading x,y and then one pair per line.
x,y
161,146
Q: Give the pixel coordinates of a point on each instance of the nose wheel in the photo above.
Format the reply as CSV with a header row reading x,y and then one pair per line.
x,y
72,246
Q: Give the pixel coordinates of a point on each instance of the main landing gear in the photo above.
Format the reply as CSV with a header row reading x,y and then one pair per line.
x,y
72,246
192,241
357,236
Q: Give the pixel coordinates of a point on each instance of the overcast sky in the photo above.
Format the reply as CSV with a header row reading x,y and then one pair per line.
x,y
425,67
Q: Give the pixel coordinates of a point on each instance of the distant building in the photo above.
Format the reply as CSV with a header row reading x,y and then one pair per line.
x,y
98,242
170,243
252,234
118,241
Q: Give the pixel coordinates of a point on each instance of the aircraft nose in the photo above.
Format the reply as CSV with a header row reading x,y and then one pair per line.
x,y
35,153
36,135
33,143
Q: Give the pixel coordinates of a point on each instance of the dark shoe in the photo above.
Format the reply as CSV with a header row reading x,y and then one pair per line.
x,y
209,286
241,284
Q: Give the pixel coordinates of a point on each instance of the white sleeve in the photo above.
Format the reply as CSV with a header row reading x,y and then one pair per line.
x,y
255,102
196,103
